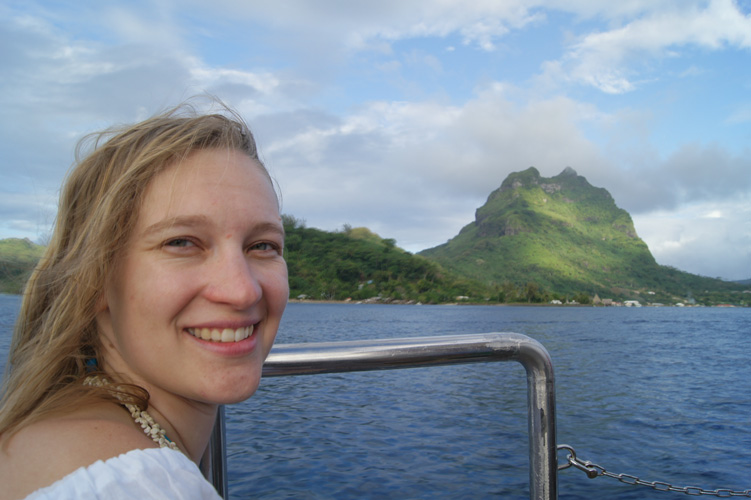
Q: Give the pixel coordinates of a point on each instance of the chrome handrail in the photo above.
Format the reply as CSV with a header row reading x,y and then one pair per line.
x,y
383,354
214,462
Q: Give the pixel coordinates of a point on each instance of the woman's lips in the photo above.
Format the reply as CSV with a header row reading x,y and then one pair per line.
x,y
222,334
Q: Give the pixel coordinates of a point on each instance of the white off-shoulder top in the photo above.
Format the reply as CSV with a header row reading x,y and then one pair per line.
x,y
138,475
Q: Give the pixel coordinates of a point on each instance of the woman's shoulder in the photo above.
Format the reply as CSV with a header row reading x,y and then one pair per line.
x,y
49,449
138,474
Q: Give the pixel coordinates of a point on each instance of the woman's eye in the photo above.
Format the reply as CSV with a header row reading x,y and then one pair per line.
x,y
178,243
264,246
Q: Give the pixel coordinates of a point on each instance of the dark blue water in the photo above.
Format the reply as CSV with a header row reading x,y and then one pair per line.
x,y
659,393
9,306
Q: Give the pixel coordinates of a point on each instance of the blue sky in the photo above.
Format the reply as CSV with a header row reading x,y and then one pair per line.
x,y
404,116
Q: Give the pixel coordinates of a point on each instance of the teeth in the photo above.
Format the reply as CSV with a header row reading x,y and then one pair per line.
x,y
224,335
228,335
241,334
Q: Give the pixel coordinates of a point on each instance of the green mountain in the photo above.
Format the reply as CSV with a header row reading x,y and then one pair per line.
x,y
17,259
563,235
360,265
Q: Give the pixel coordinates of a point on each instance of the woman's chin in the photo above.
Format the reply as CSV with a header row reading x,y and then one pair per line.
x,y
232,395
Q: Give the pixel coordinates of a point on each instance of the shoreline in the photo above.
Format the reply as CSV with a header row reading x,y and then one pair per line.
x,y
504,304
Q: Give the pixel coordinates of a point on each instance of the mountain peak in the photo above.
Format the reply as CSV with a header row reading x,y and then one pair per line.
x,y
568,171
525,178
562,231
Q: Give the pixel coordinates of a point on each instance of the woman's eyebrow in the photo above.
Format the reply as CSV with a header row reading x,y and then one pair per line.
x,y
172,222
193,221
270,227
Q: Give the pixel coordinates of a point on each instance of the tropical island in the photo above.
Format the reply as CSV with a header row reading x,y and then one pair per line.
x,y
17,259
536,240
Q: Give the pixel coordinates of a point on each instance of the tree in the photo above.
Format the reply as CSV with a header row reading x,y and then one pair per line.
x,y
533,294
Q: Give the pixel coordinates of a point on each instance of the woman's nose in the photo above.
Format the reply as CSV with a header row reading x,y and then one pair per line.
x,y
232,280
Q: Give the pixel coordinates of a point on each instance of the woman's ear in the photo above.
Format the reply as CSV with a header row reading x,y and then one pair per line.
x,y
101,304
102,317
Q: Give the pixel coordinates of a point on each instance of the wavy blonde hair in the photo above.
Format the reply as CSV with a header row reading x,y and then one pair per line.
x,y
56,332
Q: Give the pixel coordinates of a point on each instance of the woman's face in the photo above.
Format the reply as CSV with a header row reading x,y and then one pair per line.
x,y
196,297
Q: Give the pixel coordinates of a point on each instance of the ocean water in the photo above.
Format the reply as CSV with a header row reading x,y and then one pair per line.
x,y
663,394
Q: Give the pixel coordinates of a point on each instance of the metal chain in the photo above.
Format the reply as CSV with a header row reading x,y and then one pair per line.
x,y
593,470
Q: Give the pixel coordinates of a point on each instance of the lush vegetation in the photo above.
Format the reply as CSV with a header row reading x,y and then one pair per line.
x,y
560,238
359,265
17,259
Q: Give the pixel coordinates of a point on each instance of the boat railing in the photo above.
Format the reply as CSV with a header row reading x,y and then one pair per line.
x,y
384,354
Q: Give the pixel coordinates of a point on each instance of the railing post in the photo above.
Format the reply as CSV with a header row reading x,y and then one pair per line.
x,y
365,355
214,461
543,454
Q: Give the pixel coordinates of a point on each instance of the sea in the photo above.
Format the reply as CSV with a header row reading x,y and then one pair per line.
x,y
662,394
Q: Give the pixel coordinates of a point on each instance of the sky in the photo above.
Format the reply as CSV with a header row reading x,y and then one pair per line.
x,y
404,116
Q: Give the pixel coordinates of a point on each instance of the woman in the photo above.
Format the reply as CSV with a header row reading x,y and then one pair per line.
x,y
157,300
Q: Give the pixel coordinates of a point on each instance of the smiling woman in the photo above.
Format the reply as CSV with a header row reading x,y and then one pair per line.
x,y
158,299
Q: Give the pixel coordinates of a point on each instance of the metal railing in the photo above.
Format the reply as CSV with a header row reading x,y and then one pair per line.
x,y
384,354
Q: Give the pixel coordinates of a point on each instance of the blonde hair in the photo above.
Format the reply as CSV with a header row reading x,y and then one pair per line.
x,y
56,333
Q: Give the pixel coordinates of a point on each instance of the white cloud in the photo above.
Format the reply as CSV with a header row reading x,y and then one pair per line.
x,y
361,24
612,60
710,238
693,173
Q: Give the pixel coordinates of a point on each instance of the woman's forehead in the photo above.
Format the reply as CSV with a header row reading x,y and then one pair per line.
x,y
206,180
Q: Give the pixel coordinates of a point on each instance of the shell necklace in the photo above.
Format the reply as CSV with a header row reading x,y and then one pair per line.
x,y
141,417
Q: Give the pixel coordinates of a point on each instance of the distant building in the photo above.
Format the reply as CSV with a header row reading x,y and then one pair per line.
x,y
631,303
